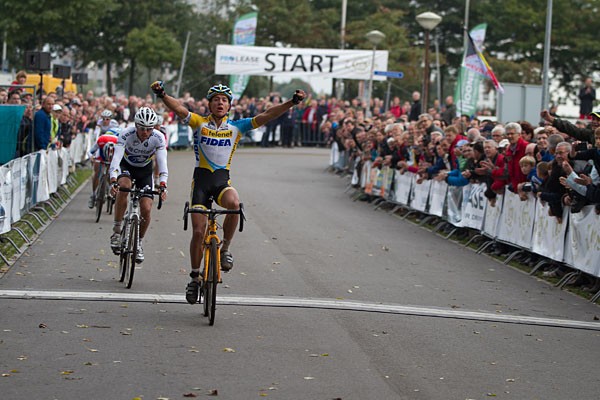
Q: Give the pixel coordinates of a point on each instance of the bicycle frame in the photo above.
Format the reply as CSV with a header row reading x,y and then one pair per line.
x,y
128,249
211,241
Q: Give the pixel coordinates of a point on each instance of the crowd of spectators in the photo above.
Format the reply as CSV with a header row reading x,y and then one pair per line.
x,y
556,161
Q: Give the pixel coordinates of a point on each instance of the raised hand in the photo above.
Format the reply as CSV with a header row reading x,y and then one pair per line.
x,y
158,87
299,95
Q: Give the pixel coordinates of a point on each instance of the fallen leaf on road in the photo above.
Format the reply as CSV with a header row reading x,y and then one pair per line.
x,y
67,372
190,395
308,378
228,350
82,326
42,326
213,392
22,358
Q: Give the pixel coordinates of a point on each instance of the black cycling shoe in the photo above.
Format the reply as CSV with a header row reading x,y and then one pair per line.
x,y
226,261
193,288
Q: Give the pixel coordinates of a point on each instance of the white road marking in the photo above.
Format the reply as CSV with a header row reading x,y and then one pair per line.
x,y
302,303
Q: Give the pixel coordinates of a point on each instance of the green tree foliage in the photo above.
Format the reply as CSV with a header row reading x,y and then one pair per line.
x,y
97,31
151,47
32,24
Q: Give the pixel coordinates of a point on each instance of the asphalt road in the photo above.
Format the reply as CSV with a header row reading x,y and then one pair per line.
x,y
328,299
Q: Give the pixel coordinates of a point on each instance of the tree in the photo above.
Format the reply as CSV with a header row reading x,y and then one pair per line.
x,y
151,47
32,24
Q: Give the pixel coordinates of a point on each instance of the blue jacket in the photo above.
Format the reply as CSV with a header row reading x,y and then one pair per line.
x,y
42,128
455,178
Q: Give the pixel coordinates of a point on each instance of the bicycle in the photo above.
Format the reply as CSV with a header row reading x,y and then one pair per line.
x,y
103,189
130,233
212,256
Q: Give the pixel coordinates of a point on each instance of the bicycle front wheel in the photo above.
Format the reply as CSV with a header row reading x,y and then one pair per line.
x,y
123,259
134,238
213,280
100,195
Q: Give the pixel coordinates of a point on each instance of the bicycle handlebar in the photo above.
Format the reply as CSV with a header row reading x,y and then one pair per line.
x,y
142,192
213,212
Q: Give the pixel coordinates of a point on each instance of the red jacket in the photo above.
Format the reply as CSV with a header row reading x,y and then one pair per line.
x,y
513,155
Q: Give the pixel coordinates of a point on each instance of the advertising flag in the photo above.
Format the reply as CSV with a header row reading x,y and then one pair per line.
x,y
467,87
475,61
244,34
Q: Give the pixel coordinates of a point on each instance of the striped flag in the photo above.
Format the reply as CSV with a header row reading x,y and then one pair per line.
x,y
475,61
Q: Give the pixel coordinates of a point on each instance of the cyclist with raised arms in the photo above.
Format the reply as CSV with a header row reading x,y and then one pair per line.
x,y
132,160
215,140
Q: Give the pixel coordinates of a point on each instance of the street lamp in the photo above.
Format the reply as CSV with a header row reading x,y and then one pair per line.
x,y
375,37
428,21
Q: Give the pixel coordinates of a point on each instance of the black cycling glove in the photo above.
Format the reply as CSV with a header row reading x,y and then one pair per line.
x,y
158,88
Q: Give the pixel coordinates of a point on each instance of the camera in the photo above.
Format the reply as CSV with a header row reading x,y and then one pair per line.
x,y
527,187
582,146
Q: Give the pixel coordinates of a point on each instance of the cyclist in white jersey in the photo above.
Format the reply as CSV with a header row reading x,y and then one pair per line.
x,y
215,141
105,124
132,160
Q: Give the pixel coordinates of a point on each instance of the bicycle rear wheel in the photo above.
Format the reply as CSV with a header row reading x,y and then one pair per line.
x,y
123,259
213,280
100,196
132,248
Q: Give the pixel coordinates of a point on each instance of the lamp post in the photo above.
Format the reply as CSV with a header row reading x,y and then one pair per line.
x,y
374,37
428,21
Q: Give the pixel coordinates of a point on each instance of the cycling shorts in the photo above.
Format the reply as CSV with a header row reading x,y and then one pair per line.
x,y
207,185
142,176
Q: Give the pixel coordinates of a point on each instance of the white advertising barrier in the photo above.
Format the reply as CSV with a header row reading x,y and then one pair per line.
x,y
334,154
64,166
52,168
5,199
583,241
365,174
473,205
437,198
297,63
42,193
420,197
16,171
374,182
77,148
491,221
355,178
26,183
518,217
403,185
454,205
388,181
548,235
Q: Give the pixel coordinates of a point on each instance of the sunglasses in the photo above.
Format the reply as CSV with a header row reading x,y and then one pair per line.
x,y
144,128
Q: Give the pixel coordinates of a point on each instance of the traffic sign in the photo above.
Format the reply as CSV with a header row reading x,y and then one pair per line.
x,y
390,74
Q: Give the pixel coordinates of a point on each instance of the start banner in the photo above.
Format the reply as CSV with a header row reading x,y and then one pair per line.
x,y
294,62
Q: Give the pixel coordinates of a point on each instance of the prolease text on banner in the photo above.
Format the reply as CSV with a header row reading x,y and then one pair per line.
x,y
294,62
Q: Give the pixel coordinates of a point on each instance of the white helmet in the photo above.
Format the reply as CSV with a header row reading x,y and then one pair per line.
x,y
146,117
106,114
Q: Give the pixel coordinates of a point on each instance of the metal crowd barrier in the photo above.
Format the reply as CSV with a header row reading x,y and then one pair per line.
x,y
35,182
524,225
